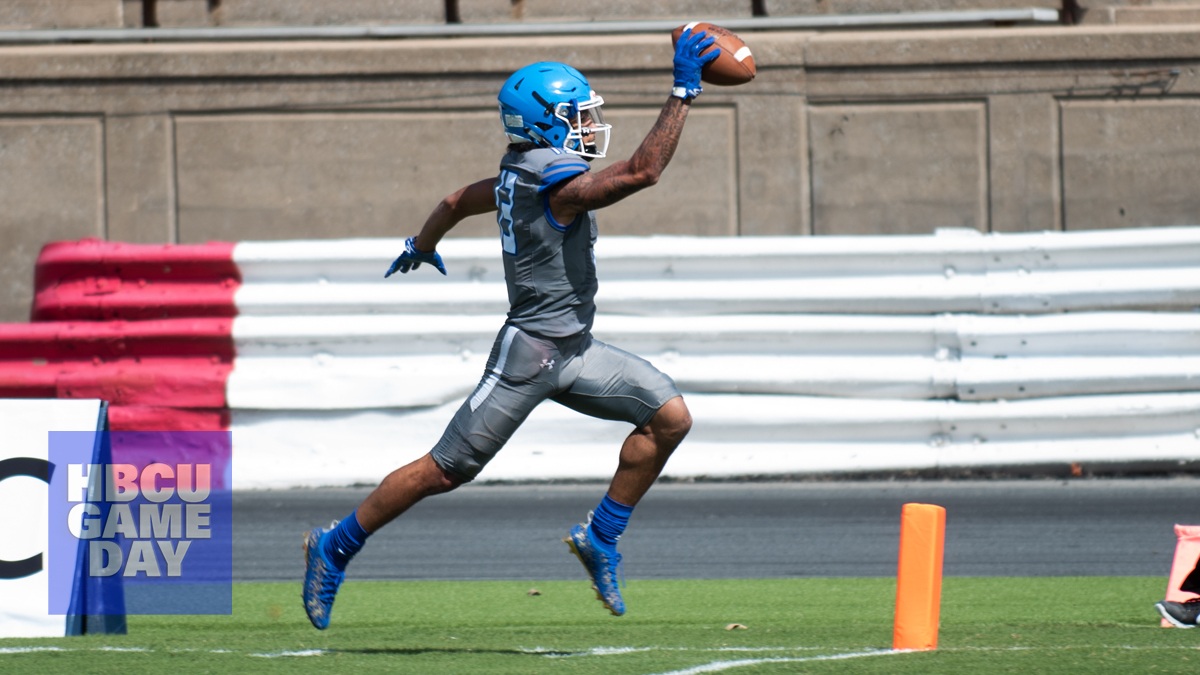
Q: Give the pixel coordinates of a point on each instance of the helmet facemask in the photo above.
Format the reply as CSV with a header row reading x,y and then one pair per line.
x,y
584,120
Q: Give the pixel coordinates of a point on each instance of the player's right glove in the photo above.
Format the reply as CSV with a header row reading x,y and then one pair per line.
x,y
688,62
411,259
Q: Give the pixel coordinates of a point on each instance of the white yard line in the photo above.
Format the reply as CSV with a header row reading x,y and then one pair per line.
x,y
276,655
716,666
610,651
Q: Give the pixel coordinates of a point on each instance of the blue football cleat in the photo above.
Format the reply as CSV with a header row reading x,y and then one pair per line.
x,y
321,579
601,567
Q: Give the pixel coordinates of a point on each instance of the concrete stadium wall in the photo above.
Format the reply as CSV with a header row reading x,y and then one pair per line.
x,y
22,14
317,12
896,132
180,13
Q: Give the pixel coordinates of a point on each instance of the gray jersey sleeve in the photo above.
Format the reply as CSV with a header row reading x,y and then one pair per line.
x,y
559,170
542,168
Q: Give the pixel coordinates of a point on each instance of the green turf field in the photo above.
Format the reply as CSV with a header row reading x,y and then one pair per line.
x,y
1027,625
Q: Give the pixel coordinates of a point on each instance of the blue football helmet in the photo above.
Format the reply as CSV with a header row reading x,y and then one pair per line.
x,y
552,105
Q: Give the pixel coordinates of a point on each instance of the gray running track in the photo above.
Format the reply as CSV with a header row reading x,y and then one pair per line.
x,y
747,530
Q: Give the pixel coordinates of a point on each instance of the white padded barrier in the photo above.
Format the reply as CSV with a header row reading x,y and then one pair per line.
x,y
1058,326
371,361
737,435
956,271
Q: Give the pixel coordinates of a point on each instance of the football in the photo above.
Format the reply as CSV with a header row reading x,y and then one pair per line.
x,y
735,65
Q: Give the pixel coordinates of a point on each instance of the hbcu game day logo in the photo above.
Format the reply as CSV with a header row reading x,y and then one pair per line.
x,y
146,514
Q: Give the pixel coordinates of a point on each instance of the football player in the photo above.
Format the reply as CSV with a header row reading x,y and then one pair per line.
x,y
544,198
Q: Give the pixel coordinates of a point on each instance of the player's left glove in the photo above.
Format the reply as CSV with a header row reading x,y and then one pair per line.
x,y
411,259
688,62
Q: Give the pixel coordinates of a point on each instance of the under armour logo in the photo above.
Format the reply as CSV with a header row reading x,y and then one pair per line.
x,y
547,363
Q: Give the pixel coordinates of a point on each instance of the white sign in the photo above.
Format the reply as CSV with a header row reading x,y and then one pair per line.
x,y
26,425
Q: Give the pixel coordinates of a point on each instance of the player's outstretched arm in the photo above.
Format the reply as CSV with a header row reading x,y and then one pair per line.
x,y
588,191
471,200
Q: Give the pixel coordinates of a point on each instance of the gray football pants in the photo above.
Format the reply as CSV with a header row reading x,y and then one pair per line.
x,y
523,370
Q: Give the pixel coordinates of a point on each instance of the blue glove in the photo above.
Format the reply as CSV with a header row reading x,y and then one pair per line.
x,y
688,60
411,259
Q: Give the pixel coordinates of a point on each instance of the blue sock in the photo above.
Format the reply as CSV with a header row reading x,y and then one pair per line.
x,y
608,522
344,541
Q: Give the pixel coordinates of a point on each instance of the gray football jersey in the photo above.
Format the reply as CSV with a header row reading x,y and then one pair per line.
x,y
550,267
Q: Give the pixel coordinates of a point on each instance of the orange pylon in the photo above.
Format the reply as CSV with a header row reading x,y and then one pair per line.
x,y
919,578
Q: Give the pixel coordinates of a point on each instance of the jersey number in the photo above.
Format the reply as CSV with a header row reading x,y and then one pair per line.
x,y
504,202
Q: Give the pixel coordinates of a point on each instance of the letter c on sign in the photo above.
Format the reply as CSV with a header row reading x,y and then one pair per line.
x,y
34,468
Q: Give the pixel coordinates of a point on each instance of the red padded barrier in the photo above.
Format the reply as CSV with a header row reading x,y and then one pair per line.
x,y
159,418
96,280
187,383
110,340
158,375
135,324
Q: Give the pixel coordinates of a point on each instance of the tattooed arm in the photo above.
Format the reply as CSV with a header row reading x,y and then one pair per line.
x,y
590,191
471,200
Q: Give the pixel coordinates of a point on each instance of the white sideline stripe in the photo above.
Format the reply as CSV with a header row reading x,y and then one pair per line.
x,y
741,54
276,655
611,651
717,666
486,388
614,651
